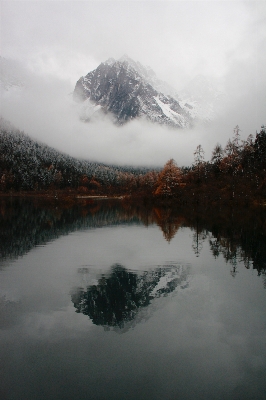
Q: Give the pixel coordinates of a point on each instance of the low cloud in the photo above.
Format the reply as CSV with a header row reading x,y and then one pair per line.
x,y
47,113
60,42
45,110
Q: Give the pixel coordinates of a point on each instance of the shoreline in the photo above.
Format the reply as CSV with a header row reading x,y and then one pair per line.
x,y
70,198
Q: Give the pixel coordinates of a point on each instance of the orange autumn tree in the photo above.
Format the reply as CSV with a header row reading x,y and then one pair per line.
x,y
169,179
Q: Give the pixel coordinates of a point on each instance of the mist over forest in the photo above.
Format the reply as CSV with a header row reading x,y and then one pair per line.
x,y
45,110
226,44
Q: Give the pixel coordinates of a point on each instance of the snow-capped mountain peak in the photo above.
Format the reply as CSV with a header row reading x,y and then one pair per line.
x,y
127,90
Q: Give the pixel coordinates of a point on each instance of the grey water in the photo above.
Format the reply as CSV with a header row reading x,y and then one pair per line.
x,y
108,301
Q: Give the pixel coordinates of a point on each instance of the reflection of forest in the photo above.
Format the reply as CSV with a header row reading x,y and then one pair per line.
x,y
116,299
236,234
25,224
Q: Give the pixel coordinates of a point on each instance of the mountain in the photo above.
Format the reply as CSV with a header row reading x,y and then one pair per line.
x,y
149,75
126,90
202,97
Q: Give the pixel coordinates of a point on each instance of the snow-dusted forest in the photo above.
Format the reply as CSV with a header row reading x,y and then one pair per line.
x,y
26,164
235,173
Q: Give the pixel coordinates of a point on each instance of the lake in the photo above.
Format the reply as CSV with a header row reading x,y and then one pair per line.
x,y
116,301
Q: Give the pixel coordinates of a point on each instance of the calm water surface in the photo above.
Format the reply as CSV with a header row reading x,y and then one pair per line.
x,y
114,302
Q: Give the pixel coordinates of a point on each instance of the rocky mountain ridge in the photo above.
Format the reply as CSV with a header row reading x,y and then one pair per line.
x,y
127,90
124,89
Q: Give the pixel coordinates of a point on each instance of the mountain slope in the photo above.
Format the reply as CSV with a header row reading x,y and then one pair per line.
x,y
202,97
125,90
149,75
26,164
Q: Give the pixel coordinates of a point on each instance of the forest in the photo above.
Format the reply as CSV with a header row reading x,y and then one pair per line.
x,y
234,174
28,165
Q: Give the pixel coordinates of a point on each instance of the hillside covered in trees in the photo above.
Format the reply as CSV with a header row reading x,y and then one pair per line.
x,y
236,173
28,165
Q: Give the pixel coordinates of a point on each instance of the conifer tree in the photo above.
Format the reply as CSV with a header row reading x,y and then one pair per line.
x,y
198,160
169,179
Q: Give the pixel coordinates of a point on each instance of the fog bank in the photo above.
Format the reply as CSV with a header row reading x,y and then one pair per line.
x,y
59,41
44,109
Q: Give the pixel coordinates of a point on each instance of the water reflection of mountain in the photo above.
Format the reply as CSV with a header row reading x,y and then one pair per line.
x,y
116,299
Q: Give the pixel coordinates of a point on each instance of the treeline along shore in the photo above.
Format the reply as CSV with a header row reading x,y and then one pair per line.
x,y
235,174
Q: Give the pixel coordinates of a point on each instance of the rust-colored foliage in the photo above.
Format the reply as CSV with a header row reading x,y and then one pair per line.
x,y
84,180
94,185
169,179
168,224
83,190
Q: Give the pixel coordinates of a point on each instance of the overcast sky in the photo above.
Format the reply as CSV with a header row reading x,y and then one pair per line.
x,y
59,41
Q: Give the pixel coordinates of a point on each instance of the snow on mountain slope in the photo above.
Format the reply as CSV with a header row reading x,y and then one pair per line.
x,y
171,114
124,89
202,98
149,75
